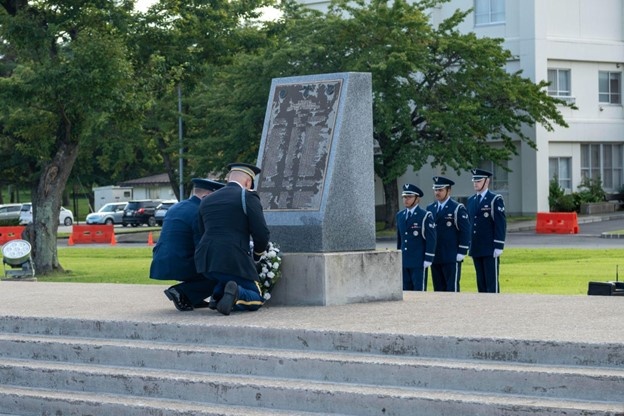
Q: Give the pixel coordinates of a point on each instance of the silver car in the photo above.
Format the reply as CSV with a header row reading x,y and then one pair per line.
x,y
109,214
10,212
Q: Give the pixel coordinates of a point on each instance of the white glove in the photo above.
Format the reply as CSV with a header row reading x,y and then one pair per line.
x,y
426,264
497,252
460,257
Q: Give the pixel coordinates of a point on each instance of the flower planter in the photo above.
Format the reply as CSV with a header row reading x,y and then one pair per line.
x,y
591,208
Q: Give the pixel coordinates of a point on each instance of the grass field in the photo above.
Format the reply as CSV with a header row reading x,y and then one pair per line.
x,y
530,271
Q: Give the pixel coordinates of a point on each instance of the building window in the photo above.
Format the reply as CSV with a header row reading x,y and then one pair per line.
x,y
610,87
560,167
604,162
489,11
559,80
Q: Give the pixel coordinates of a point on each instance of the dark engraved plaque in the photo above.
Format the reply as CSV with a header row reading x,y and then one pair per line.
x,y
298,141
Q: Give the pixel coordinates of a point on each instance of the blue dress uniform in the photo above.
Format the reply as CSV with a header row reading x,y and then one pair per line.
x,y
416,238
489,226
453,238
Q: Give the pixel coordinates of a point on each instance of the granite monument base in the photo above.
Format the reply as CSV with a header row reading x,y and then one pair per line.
x,y
323,279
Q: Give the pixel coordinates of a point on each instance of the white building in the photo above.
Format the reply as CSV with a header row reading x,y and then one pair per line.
x,y
578,45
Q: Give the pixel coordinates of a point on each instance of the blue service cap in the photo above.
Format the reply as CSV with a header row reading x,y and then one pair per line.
x,y
207,184
478,174
409,189
440,182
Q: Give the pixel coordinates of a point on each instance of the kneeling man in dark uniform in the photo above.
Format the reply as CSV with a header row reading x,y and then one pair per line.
x,y
229,219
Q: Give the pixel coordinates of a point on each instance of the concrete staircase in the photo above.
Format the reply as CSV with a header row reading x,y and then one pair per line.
x,y
56,366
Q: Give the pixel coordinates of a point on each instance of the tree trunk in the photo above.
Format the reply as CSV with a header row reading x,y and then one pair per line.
x,y
392,203
46,205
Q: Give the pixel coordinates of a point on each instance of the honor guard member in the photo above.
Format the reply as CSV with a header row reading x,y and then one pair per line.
x,y
452,236
229,219
416,238
486,211
173,256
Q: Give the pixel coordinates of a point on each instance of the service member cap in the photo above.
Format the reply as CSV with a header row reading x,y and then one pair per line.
x,y
440,182
207,184
478,174
409,189
250,170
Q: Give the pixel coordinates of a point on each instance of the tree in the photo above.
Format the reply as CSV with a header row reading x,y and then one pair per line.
x,y
68,81
176,43
439,96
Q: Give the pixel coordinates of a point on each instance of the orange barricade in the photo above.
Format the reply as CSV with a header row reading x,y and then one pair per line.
x,y
11,233
557,222
88,234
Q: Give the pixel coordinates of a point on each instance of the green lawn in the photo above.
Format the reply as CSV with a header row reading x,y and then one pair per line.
x,y
531,271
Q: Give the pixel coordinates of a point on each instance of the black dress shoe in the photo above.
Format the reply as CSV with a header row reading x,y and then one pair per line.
x,y
179,300
230,296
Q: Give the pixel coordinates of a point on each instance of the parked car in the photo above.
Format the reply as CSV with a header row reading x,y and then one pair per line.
x,y
10,212
162,209
109,214
66,217
140,212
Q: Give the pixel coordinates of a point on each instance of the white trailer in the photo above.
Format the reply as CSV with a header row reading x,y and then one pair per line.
x,y
105,194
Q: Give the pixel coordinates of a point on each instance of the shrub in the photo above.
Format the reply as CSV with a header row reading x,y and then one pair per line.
x,y
9,223
555,192
590,190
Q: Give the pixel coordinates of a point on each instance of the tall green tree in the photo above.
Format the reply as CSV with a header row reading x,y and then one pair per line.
x,y
69,80
439,96
175,44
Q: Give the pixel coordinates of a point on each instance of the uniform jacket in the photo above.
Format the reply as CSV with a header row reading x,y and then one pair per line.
x,y
226,228
452,229
173,254
488,224
416,237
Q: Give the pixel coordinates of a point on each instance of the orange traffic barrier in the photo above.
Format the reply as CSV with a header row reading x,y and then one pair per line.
x,y
9,233
150,239
557,222
90,234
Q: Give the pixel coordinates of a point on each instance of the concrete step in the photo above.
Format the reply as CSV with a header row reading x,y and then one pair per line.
x,y
28,401
133,385
70,366
572,382
537,351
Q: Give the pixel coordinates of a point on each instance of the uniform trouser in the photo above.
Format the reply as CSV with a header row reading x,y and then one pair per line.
x,y
445,276
196,290
486,269
249,296
414,278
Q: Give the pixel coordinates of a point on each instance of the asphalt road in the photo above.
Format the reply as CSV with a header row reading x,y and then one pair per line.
x,y
590,236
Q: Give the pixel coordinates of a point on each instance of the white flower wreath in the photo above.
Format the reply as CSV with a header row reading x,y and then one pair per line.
x,y
269,270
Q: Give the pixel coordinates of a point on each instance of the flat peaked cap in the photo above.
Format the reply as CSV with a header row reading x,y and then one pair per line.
x,y
250,170
440,182
409,189
478,174
207,184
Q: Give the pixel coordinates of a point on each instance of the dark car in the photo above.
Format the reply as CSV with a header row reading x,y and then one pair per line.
x,y
162,209
140,212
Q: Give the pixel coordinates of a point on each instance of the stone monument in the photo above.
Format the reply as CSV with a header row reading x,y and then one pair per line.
x,y
317,191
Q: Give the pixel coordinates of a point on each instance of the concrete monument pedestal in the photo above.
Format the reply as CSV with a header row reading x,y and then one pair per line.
x,y
324,279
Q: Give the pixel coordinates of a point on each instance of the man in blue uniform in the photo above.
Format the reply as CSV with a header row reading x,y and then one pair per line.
x,y
416,238
173,255
486,211
229,219
453,236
